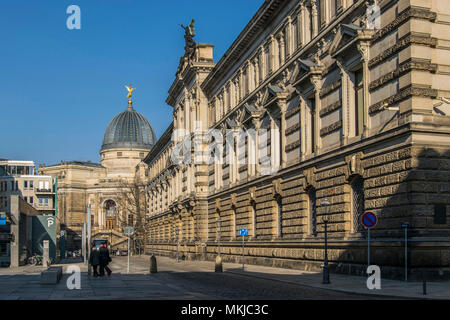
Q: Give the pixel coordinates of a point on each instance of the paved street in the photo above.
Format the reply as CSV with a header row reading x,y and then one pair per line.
x,y
178,281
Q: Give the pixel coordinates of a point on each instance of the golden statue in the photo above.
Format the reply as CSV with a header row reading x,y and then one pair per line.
x,y
130,90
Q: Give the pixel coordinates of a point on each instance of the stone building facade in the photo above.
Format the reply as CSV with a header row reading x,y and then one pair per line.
x,y
350,103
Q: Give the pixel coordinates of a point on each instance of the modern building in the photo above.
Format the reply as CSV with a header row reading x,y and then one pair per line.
x,y
102,186
20,178
348,102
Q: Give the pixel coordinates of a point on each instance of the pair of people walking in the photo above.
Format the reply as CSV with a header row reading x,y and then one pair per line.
x,y
100,258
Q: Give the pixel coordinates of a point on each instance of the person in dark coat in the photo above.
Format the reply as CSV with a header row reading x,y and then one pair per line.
x,y
104,260
94,260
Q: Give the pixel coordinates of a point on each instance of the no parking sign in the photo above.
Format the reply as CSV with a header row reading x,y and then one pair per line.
x,y
369,219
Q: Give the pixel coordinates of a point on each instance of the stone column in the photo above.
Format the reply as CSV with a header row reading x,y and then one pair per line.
x,y
257,125
363,48
262,61
317,82
272,65
315,18
282,104
302,128
301,24
282,52
344,102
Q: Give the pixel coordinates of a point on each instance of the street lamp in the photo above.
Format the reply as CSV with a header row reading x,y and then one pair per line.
x,y
176,232
326,273
218,265
218,239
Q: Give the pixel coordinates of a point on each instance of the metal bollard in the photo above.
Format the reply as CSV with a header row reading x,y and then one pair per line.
x,y
153,266
424,283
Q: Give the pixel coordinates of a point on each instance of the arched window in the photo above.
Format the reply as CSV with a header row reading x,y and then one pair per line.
x,y
111,215
312,211
358,208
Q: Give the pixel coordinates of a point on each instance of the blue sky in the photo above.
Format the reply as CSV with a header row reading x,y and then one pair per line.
x,y
60,88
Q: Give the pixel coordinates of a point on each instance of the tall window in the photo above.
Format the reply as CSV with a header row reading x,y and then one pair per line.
x,y
280,217
357,202
312,212
359,101
253,208
313,125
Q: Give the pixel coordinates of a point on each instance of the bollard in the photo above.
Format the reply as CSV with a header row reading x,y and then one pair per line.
x,y
218,267
45,254
153,266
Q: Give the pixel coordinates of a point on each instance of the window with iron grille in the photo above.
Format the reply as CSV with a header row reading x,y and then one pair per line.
x,y
312,212
357,203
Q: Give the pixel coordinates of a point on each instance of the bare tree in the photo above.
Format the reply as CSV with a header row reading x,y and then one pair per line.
x,y
133,200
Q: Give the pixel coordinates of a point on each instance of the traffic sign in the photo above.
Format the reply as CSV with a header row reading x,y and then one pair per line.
x,y
243,232
128,231
369,220
2,221
405,225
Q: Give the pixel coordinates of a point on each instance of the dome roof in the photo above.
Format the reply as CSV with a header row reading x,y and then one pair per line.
x,y
129,129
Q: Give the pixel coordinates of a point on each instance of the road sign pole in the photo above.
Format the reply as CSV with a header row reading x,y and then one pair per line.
x,y
128,266
243,241
368,247
406,254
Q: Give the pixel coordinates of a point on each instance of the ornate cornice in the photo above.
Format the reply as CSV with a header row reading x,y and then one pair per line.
x,y
327,90
402,95
331,128
400,45
402,69
330,108
409,13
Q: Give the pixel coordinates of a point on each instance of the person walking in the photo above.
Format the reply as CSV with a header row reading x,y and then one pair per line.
x,y
104,260
94,260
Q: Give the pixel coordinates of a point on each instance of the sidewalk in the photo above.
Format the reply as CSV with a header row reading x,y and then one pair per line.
x,y
338,282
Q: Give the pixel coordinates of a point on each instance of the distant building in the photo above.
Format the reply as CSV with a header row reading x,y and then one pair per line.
x,y
20,178
127,140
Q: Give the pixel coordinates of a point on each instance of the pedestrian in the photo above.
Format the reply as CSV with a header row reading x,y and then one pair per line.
x,y
94,260
104,260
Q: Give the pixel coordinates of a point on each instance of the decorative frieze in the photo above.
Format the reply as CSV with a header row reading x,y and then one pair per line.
x,y
331,128
292,129
402,95
404,68
327,90
402,44
330,108
292,146
292,112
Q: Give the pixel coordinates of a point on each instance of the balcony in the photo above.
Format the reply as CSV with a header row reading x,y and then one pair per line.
x,y
43,191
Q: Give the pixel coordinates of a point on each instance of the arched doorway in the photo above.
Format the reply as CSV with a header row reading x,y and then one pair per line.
x,y
111,215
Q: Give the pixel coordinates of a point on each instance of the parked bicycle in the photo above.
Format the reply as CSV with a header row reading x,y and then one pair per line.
x,y
35,260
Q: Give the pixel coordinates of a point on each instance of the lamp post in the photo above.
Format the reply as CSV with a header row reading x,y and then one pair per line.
x,y
176,232
218,265
218,242
326,274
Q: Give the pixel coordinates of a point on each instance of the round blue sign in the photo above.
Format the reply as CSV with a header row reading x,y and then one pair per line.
x,y
369,220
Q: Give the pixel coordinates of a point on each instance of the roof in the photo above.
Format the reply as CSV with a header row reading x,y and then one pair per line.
x,y
129,129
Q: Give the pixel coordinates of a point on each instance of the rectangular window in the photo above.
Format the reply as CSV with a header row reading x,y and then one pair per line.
x,y
313,125
440,214
46,201
25,184
41,201
31,200
119,154
26,199
359,102
47,185
31,184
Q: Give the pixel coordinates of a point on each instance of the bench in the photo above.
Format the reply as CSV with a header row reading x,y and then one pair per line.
x,y
51,276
